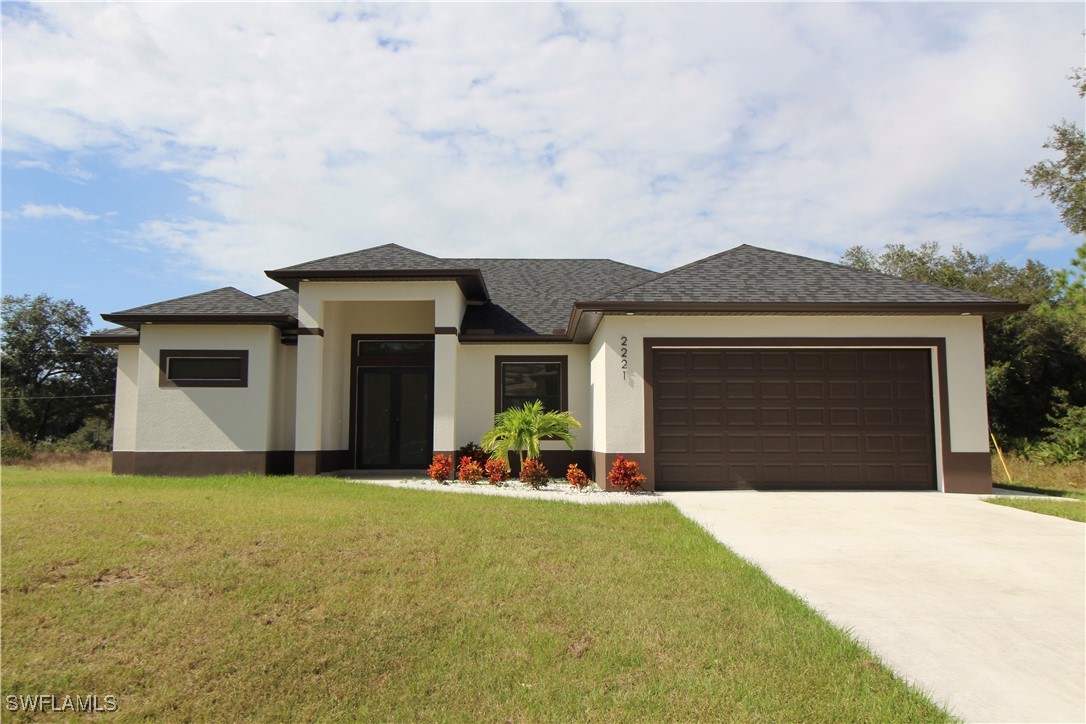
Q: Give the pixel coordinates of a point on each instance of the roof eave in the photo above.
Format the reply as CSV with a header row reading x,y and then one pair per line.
x,y
470,281
988,310
111,340
134,321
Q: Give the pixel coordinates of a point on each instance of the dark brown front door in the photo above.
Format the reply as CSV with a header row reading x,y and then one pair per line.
x,y
392,405
858,419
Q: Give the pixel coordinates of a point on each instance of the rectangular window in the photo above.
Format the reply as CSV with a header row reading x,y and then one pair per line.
x,y
203,368
527,379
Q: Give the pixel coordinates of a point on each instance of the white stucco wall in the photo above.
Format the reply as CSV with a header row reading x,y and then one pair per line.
x,y
124,413
619,404
475,384
175,419
284,397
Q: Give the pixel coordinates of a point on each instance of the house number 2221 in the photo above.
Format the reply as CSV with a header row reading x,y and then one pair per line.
x,y
623,352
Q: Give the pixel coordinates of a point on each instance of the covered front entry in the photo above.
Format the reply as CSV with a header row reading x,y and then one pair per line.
x,y
858,419
392,401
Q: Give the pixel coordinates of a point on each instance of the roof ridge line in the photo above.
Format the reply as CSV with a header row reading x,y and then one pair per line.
x,y
661,275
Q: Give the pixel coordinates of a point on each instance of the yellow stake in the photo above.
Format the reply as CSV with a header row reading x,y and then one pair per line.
x,y
1005,469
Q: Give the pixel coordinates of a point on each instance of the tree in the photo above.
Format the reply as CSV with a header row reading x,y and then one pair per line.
x,y
522,428
1064,180
1030,357
53,381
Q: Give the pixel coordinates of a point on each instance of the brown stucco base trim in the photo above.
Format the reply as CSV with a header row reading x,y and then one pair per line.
x,y
601,464
314,462
190,463
967,473
124,462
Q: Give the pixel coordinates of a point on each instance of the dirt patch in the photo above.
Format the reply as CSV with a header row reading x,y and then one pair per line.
x,y
121,577
578,648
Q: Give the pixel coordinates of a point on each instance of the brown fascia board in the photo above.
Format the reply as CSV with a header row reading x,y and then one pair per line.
x,y
133,321
471,281
487,338
989,310
108,340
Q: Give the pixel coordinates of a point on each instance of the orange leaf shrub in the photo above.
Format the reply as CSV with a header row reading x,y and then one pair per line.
x,y
625,475
441,468
497,471
470,470
576,477
534,473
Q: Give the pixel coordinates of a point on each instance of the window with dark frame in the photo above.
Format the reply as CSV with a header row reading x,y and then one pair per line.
x,y
528,380
203,368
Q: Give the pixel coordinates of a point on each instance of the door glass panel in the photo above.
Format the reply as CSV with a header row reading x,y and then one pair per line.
x,y
374,418
415,422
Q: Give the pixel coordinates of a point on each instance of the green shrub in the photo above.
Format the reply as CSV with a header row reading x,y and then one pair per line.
x,y
13,447
1065,436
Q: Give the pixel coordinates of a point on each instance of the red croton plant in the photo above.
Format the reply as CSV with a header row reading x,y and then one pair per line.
x,y
576,476
441,469
625,475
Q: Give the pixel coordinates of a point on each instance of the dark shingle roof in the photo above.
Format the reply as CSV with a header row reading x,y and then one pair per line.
x,y
283,300
227,300
377,258
751,275
226,304
536,295
116,335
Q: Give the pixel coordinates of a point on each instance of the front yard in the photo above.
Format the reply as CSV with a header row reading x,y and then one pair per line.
x,y
250,597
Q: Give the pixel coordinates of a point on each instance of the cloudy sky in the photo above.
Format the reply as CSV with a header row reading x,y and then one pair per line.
x,y
153,150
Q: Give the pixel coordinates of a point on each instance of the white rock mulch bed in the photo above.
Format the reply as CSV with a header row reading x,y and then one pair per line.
x,y
558,490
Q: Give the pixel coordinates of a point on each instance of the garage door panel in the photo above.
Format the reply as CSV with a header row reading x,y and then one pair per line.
x,y
740,389
707,416
844,416
672,416
794,419
879,443
776,416
775,390
810,390
776,444
741,416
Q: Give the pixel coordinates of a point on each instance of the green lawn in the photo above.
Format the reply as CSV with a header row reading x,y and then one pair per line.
x,y
1066,508
305,598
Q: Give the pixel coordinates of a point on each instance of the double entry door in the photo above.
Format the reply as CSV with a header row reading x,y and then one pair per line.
x,y
393,405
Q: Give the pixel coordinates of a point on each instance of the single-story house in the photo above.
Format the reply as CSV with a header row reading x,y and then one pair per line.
x,y
747,369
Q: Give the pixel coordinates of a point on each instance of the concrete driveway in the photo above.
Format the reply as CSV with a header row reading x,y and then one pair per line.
x,y
981,606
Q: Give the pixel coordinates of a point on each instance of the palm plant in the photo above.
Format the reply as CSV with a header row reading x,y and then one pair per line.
x,y
521,429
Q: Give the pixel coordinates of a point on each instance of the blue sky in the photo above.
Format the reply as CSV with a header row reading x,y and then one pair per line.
x,y
155,150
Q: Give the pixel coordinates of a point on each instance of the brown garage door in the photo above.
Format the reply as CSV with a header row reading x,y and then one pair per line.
x,y
856,419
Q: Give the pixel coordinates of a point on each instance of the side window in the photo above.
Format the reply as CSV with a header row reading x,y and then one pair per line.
x,y
203,368
520,380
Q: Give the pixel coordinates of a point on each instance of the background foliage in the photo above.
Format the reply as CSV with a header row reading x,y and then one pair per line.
x,y
57,388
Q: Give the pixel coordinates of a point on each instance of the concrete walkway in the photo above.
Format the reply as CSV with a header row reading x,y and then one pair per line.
x,y
981,606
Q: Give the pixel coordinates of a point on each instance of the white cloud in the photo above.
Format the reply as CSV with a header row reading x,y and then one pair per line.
x,y
1050,242
648,133
54,211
